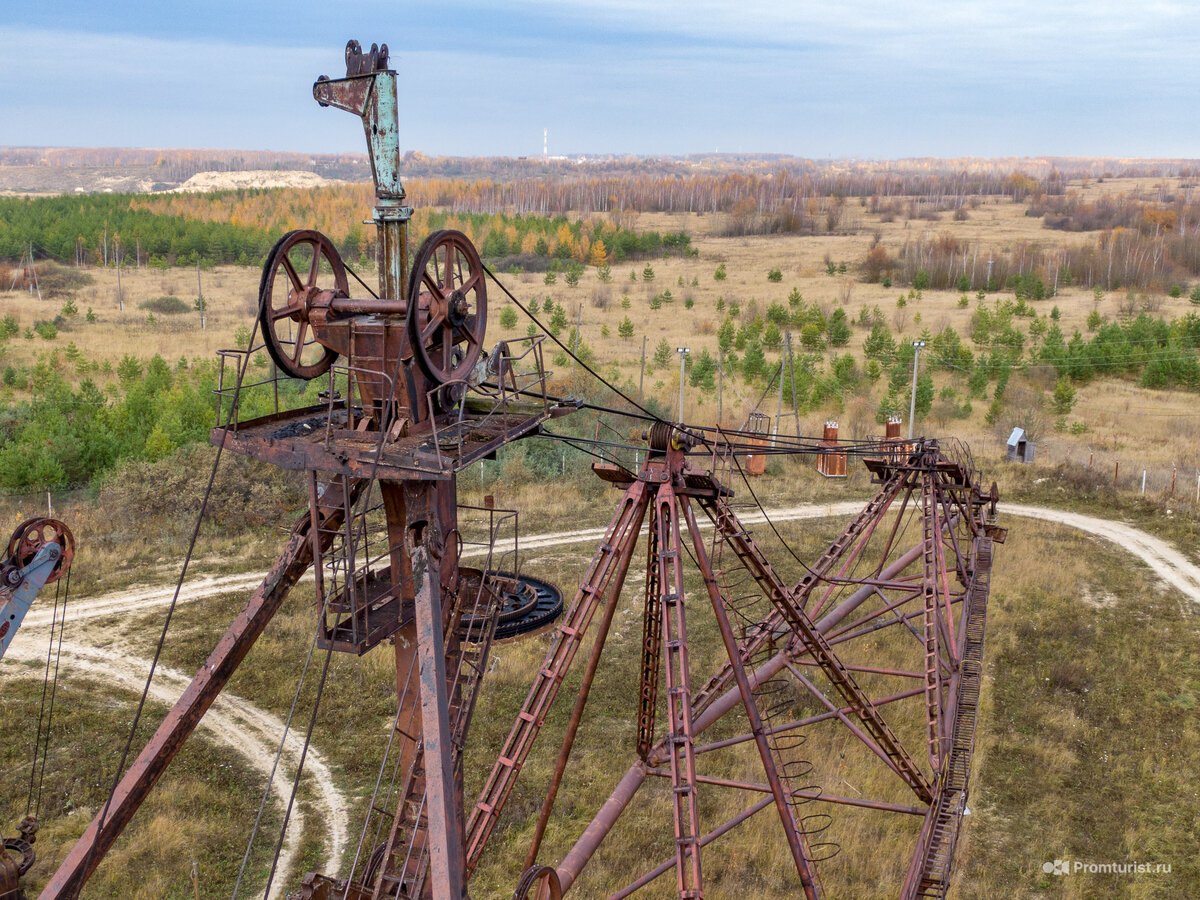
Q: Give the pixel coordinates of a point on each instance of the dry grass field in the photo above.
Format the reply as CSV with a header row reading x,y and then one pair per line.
x,y
1139,428
1087,740
1088,744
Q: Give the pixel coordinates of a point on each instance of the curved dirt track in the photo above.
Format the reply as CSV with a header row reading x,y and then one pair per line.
x,y
1161,556
233,722
231,717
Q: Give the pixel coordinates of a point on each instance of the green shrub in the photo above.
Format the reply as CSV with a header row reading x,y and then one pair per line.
x,y
662,353
167,306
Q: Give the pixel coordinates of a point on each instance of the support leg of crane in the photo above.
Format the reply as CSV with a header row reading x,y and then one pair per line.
x,y
183,718
622,530
795,839
445,844
589,675
680,734
810,638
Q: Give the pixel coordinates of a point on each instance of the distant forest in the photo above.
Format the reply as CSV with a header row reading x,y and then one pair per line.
x,y
240,227
531,212
180,164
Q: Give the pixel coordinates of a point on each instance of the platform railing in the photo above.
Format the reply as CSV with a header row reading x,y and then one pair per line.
x,y
232,387
492,398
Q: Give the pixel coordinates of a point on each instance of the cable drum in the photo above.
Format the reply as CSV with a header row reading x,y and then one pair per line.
x,y
660,436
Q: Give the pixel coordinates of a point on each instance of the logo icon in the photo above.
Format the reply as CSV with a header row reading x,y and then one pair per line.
x,y
1058,867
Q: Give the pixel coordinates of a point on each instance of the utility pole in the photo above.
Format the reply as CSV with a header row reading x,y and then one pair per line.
x,y
912,403
575,343
33,272
117,253
683,352
199,295
642,376
792,376
720,383
779,407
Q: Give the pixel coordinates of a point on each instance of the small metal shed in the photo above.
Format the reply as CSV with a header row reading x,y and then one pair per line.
x,y
1020,448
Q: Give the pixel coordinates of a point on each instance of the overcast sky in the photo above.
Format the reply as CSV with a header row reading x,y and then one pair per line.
x,y
843,79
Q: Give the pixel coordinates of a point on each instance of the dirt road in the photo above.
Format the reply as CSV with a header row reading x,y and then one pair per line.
x,y
255,732
232,721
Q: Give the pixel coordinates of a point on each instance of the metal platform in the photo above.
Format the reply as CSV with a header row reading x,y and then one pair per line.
x,y
316,438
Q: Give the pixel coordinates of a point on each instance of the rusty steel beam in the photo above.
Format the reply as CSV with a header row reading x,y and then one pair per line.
x,y
183,718
722,679
680,737
797,843
445,838
602,823
843,718
622,795
581,699
805,793
851,541
819,648
802,723
705,840
651,647
874,670
622,529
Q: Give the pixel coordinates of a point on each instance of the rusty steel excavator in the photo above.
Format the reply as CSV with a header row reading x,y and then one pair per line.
x,y
413,398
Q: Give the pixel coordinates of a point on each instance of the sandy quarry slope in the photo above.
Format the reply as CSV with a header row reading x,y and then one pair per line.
x,y
202,182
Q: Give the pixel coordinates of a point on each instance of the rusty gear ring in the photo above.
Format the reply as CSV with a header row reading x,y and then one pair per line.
x,y
33,534
526,605
447,306
23,847
296,306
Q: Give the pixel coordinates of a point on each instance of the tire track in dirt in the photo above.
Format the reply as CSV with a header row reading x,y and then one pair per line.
x,y
232,722
1161,556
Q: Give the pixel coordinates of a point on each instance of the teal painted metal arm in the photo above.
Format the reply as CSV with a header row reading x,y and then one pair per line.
x,y
28,581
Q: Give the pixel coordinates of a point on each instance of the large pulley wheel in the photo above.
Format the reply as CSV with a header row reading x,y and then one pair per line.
x,y
301,265
33,534
447,298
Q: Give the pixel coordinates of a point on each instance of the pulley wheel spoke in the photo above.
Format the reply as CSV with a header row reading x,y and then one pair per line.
x,y
298,356
448,298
